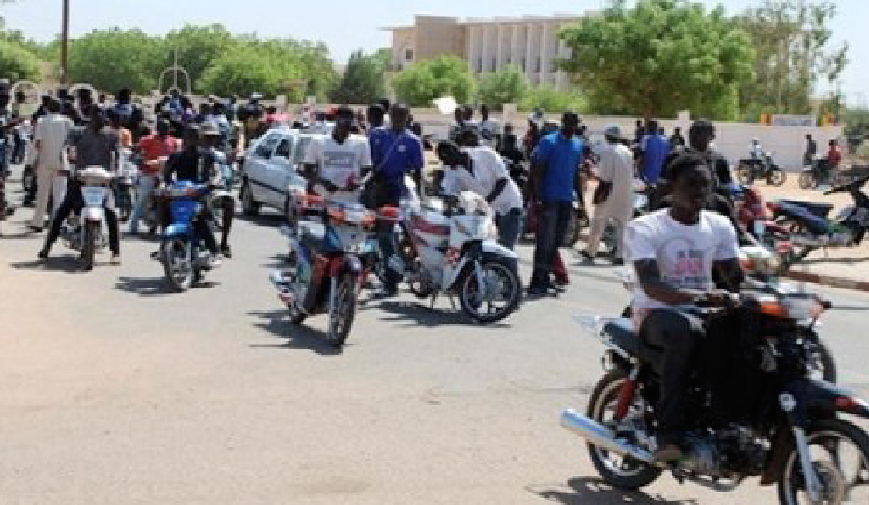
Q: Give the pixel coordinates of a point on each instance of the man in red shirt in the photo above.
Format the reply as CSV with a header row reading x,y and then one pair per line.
x,y
154,149
834,156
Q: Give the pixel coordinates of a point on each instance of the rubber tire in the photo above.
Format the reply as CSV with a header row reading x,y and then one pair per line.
x,y
296,316
831,374
249,206
512,305
745,175
807,180
777,177
648,475
188,281
89,244
348,283
842,426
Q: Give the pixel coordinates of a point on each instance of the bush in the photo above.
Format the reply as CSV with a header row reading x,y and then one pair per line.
x,y
550,99
427,80
507,86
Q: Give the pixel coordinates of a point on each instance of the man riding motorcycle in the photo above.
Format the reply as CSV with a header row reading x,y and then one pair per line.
x,y
335,164
674,252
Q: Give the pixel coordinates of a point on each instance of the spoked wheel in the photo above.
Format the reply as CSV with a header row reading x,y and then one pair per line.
x,y
297,316
619,471
343,311
89,244
808,180
177,258
776,177
745,175
840,460
492,297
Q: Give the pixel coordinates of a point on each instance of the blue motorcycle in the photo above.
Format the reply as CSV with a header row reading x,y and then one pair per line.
x,y
182,252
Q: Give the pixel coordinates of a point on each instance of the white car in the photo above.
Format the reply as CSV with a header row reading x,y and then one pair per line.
x,y
271,167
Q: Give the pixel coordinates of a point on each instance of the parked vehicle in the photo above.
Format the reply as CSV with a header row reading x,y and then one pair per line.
x,y
184,257
455,254
754,215
750,170
84,233
818,173
781,426
810,229
271,166
325,272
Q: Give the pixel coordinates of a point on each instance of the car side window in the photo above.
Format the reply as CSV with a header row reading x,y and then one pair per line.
x,y
285,148
267,146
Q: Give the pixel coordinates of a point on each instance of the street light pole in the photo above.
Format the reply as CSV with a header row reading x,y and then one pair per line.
x,y
64,45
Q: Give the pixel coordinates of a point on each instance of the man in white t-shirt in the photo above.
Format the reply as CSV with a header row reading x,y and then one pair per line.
x,y
336,163
481,170
674,252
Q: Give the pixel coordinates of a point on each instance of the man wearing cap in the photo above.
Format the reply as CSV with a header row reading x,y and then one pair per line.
x,y
554,184
614,195
336,162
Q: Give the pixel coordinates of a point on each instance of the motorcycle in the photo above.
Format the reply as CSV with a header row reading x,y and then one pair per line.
x,y
455,254
754,216
816,174
810,229
84,233
752,411
184,257
750,170
325,272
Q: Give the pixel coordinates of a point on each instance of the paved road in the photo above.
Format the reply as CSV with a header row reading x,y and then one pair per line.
x,y
114,391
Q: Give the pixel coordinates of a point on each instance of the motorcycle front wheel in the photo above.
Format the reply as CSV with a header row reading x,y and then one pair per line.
x,y
840,458
776,177
497,298
177,258
808,180
343,311
89,244
745,175
621,472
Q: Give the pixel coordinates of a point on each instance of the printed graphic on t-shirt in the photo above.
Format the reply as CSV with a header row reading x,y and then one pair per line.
x,y
339,159
684,265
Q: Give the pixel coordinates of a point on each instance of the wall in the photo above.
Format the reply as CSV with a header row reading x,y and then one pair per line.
x,y
436,36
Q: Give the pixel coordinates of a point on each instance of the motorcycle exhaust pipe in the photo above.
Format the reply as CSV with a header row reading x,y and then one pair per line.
x,y
601,436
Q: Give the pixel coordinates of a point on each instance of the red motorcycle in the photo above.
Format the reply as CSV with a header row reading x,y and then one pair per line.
x,y
754,215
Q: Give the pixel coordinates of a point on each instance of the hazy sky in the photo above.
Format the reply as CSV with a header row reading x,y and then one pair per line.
x,y
347,25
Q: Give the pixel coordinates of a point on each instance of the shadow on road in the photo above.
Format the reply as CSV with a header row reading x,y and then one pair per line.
x,y
144,286
585,490
300,336
68,264
272,220
418,313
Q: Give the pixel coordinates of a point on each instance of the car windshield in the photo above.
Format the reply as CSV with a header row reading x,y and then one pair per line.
x,y
302,149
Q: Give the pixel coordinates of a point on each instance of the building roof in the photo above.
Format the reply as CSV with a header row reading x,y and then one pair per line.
x,y
503,20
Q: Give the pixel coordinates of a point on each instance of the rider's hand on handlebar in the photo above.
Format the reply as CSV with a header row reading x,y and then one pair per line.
x,y
718,298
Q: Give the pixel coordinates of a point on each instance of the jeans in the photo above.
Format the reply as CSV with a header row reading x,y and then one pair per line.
x,y
677,335
552,225
144,191
75,202
509,226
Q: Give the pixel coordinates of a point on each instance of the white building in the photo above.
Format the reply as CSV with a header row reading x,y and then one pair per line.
x,y
488,45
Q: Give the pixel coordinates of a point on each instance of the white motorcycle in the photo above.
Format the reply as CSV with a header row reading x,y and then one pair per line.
x,y
456,254
85,233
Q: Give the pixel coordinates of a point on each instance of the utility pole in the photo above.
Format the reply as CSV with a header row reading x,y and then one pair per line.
x,y
64,45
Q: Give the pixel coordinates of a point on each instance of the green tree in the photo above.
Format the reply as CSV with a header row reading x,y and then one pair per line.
x,y
198,47
114,59
550,99
425,81
362,81
792,42
507,86
244,70
660,57
17,63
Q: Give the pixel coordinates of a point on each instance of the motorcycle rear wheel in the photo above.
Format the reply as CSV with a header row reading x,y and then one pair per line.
x,y
178,277
776,177
510,291
89,244
808,180
342,314
745,175
623,473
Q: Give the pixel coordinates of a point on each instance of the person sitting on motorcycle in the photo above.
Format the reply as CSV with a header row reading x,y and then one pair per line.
x,y
834,156
96,145
195,165
335,164
214,148
674,252
153,149
756,150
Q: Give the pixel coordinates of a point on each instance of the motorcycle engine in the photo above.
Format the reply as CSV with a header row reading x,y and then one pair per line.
x,y
703,456
734,451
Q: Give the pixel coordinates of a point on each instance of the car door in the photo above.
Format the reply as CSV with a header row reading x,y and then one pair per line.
x,y
300,151
280,168
257,166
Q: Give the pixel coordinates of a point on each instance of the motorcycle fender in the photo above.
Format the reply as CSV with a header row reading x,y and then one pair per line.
x,y
348,263
177,230
806,399
457,272
494,248
92,214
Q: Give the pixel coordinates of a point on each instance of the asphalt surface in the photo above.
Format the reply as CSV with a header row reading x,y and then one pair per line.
x,y
114,390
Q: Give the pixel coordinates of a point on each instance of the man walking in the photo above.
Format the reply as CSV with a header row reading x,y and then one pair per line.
x,y
811,151
614,194
555,182
655,148
52,132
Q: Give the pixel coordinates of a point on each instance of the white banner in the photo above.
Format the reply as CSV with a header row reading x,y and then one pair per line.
x,y
793,120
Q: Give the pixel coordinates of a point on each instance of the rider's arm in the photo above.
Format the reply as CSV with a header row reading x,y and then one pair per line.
x,y
658,289
502,177
726,261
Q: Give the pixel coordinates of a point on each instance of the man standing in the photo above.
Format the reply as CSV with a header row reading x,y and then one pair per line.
x,y
811,151
52,132
655,148
395,153
677,140
336,163
614,194
97,145
555,182
155,151
490,130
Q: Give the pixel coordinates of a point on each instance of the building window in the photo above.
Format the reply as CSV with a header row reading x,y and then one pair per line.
x,y
408,54
523,64
538,65
494,64
479,65
509,60
553,65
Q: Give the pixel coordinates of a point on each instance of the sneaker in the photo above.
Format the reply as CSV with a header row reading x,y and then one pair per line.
x,y
586,256
667,454
34,228
618,262
537,290
116,259
226,251
43,254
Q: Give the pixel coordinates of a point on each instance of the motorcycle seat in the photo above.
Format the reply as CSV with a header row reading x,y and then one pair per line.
x,y
807,216
621,332
312,234
818,209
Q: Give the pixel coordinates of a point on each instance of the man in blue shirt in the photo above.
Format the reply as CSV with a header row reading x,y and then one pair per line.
x,y
655,149
395,152
555,184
